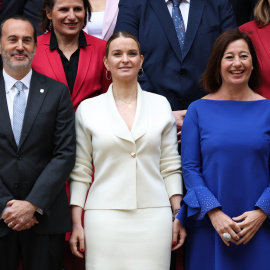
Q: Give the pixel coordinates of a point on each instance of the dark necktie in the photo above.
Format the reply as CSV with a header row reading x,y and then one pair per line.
x,y
178,22
19,105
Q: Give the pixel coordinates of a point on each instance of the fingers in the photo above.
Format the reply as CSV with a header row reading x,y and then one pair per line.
x,y
25,226
179,235
248,235
9,203
179,136
239,218
77,243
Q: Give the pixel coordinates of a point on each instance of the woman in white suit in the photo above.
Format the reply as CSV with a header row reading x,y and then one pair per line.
x,y
103,18
130,137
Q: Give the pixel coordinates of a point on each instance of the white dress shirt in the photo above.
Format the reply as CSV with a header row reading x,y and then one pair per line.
x,y
11,90
184,7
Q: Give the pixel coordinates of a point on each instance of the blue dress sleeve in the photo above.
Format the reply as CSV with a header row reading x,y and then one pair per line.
x,y
264,202
199,199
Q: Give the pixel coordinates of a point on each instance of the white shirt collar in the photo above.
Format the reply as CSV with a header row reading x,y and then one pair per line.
x,y
10,81
187,1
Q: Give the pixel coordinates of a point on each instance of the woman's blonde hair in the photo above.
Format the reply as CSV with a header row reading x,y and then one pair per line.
x,y
262,12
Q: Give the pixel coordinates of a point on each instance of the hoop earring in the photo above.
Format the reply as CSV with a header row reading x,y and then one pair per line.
x,y
50,25
107,75
140,73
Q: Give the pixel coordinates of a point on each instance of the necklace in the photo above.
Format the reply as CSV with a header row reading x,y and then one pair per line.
x,y
130,106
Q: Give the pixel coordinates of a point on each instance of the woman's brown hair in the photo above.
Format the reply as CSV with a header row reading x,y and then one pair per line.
x,y
211,79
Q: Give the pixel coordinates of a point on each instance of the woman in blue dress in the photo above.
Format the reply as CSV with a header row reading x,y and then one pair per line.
x,y
225,161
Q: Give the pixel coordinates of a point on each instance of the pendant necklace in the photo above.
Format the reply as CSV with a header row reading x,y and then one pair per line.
x,y
128,103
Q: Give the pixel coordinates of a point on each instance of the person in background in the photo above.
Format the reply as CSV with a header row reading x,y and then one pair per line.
x,y
133,146
103,18
37,149
225,162
176,39
243,10
259,32
30,9
67,54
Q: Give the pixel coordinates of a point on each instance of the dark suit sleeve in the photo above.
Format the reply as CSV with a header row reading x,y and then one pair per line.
x,y
11,7
51,181
5,196
227,16
129,20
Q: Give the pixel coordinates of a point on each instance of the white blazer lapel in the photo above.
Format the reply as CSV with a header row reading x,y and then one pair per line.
x,y
139,127
119,126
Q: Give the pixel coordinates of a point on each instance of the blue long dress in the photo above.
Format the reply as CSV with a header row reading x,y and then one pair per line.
x,y
225,161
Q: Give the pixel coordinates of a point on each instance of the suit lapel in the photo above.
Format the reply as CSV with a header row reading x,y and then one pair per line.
x,y
5,124
139,127
194,18
166,21
83,66
55,61
34,102
119,126
110,12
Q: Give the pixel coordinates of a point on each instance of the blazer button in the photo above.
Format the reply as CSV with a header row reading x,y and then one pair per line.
x,y
133,154
19,157
16,185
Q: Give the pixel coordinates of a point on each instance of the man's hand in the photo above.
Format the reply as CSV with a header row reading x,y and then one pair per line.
x,y
33,221
19,214
179,118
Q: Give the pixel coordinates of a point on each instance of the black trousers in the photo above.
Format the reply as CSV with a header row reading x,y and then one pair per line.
x,y
38,252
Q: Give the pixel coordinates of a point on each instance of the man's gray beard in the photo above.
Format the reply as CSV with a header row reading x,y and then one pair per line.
x,y
6,57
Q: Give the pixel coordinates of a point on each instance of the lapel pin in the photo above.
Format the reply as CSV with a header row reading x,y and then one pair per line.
x,y
41,90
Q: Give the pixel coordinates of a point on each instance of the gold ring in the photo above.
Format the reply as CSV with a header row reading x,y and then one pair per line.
x,y
11,223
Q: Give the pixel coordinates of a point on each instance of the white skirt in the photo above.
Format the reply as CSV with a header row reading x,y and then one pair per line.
x,y
138,239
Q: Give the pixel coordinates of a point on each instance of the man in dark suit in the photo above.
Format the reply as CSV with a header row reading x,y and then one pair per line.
x,y
37,150
169,70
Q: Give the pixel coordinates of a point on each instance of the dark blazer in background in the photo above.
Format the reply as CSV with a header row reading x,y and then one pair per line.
x,y
169,72
31,9
37,169
243,10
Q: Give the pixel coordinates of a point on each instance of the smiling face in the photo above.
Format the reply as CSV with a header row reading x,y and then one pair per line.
x,y
17,46
236,64
67,17
124,60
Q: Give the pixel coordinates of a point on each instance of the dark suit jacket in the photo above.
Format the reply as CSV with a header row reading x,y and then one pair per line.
x,y
90,79
37,169
169,72
243,10
31,9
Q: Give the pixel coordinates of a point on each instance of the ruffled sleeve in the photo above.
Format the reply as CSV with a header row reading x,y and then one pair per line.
x,y
199,201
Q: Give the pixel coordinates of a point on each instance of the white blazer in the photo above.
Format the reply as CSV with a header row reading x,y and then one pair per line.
x,y
134,169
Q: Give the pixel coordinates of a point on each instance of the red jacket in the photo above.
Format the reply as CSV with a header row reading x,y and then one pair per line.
x,y
260,36
90,81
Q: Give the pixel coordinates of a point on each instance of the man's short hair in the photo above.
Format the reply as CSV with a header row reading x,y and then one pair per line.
x,y
20,18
